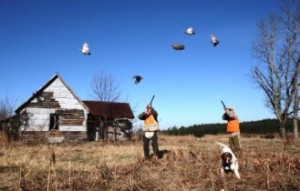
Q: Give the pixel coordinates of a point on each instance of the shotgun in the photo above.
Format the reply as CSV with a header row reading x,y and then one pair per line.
x,y
224,106
152,100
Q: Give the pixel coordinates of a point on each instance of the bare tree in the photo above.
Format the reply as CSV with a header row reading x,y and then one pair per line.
x,y
296,101
105,88
277,71
6,107
293,32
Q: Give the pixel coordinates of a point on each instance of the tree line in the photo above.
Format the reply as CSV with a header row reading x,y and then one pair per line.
x,y
261,127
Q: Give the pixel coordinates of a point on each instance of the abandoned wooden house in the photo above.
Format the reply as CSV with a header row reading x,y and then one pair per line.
x,y
55,114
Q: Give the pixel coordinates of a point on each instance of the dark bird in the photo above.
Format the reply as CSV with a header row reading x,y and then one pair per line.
x,y
178,46
189,31
214,40
137,79
85,50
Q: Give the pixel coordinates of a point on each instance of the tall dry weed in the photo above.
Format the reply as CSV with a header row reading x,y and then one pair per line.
x,y
186,164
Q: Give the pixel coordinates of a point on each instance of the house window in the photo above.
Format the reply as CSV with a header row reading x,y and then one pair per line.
x,y
54,122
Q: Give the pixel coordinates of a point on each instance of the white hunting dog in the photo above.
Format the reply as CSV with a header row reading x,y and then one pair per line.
x,y
228,161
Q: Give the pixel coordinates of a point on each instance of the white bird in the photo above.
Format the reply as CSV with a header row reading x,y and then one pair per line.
x,y
214,40
189,31
85,49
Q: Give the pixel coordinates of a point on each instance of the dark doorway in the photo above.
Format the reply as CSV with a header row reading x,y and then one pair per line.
x,y
54,122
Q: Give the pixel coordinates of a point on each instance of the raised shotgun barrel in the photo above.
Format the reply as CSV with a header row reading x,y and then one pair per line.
x,y
224,106
152,100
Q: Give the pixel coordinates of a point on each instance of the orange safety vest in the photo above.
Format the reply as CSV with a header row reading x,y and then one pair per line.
x,y
233,126
150,123
149,120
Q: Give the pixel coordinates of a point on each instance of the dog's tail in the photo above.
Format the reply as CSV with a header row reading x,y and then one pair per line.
x,y
225,148
221,144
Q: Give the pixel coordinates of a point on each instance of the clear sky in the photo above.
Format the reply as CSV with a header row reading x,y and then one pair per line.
x,y
129,37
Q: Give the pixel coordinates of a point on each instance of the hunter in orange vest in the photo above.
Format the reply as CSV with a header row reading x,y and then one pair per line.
x,y
150,128
233,129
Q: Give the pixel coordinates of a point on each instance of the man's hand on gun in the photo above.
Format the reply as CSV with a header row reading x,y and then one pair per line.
x,y
148,110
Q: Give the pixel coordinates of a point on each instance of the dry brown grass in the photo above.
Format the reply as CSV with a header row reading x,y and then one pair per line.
x,y
190,164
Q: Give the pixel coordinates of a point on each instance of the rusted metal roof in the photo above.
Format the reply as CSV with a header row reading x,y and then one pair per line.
x,y
109,109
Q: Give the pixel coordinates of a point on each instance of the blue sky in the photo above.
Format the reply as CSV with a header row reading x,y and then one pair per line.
x,y
129,37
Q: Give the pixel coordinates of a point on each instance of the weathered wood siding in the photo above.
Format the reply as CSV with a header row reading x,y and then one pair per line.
x,y
115,129
45,100
71,119
115,132
55,99
52,137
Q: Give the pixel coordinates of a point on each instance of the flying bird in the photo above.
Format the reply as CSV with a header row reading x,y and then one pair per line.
x,y
214,40
137,79
189,31
178,46
85,50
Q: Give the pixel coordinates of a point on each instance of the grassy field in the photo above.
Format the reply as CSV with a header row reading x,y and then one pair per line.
x,y
190,165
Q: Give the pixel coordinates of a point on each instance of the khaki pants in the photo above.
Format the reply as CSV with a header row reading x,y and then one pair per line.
x,y
235,143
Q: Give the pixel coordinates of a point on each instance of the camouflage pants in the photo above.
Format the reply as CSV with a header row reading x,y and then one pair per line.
x,y
235,143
